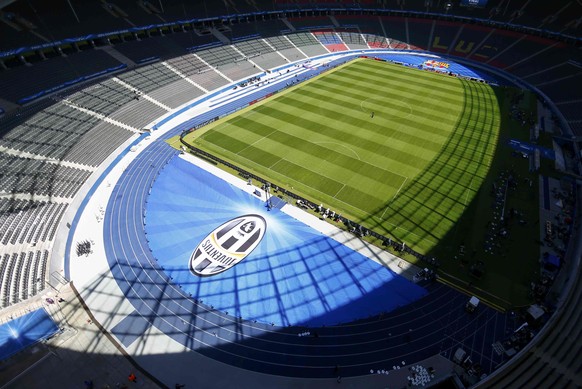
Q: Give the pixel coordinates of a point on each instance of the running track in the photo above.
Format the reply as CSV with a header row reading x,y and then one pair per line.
x,y
435,324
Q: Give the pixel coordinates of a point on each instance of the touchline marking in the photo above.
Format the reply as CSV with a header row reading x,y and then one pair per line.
x,y
393,197
287,178
398,227
468,190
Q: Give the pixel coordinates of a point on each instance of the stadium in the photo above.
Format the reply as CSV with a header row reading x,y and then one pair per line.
x,y
290,194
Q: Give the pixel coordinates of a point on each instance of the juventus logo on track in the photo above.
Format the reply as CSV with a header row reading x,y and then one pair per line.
x,y
227,245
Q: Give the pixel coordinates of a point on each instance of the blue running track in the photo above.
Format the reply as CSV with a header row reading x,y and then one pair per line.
x,y
296,276
164,296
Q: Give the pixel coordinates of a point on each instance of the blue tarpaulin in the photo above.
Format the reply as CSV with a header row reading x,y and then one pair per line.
x,y
296,275
553,260
24,331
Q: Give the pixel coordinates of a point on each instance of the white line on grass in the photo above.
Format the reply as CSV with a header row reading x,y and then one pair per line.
x,y
398,227
401,185
228,122
276,162
340,189
393,197
312,188
258,140
348,205
468,190
362,105
339,144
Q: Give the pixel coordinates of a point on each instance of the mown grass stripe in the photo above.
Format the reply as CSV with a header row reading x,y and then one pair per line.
x,y
413,174
416,121
394,113
407,90
360,102
365,125
404,83
421,195
314,131
275,140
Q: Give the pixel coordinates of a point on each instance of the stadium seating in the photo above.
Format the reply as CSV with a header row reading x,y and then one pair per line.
x,y
470,38
39,178
444,36
138,14
285,47
191,40
22,274
311,23
365,23
538,47
548,61
138,113
553,16
51,129
563,89
396,32
220,56
176,93
104,97
376,41
419,35
17,38
253,48
59,21
330,40
156,47
150,77
97,144
49,133
269,60
241,31
352,39
188,65
238,70
307,43
25,81
209,79
268,28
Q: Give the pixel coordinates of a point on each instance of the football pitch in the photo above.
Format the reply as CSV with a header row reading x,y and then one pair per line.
x,y
401,151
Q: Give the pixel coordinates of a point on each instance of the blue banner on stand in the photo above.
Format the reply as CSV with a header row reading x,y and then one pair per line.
x,y
527,148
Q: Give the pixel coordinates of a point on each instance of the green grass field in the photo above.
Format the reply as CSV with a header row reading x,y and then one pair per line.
x,y
410,172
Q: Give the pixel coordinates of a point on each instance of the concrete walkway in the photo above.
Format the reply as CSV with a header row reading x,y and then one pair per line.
x,y
84,352
79,353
